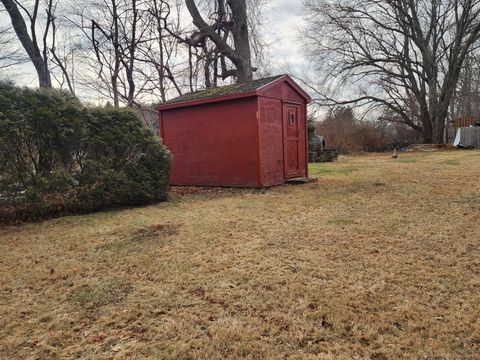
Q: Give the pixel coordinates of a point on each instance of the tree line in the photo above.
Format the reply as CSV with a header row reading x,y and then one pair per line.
x,y
408,59
344,130
130,51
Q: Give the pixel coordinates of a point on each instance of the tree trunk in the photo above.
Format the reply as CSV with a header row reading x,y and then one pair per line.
x,y
241,40
30,46
43,73
427,128
439,134
240,54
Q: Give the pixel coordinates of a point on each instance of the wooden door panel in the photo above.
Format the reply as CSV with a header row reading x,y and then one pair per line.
x,y
292,129
292,158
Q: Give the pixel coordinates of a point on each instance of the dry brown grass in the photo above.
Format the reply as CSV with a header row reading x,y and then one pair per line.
x,y
380,259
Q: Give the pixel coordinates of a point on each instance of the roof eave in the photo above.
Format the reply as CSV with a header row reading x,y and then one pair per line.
x,y
183,104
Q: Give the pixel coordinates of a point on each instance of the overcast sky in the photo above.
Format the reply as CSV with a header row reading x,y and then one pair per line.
x,y
283,20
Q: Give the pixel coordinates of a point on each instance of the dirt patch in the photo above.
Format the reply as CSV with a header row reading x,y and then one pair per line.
x,y
153,231
101,293
139,239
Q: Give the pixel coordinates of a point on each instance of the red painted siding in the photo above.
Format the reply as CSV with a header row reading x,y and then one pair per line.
x,y
276,152
271,141
213,144
285,92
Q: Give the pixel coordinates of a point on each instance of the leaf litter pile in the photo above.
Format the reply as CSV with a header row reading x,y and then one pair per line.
x,y
378,263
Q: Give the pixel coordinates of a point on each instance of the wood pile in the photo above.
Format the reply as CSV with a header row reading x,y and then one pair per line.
x,y
317,155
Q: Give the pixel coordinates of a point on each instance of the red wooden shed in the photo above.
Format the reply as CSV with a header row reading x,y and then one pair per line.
x,y
242,135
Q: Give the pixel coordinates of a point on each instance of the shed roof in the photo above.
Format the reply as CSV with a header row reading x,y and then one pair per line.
x,y
224,90
228,92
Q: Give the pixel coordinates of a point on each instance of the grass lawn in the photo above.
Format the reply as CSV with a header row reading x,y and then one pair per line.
x,y
379,259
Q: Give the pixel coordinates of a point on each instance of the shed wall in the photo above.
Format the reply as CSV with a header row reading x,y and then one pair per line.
x,y
272,129
213,144
271,141
285,92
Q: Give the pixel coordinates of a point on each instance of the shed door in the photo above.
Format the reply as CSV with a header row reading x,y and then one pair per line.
x,y
292,147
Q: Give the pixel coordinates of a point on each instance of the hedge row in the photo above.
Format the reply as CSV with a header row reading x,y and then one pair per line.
x,y
59,157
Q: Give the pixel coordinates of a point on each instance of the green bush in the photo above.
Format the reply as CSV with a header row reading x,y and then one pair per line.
x,y
57,156
125,163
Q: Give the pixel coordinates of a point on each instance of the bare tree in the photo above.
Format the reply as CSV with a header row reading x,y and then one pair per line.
x,y
134,52
36,49
160,48
111,37
392,52
62,56
10,55
39,39
129,49
467,95
231,20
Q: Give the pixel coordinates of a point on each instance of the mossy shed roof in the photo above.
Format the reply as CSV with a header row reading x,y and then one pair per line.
x,y
224,90
227,92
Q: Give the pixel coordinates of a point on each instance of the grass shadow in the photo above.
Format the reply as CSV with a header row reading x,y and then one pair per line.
x,y
140,238
340,222
407,160
329,169
102,293
451,162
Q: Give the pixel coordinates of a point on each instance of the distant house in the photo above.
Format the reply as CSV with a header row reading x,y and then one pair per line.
x,y
464,121
243,135
460,122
